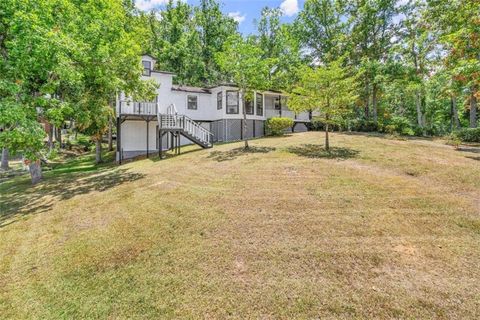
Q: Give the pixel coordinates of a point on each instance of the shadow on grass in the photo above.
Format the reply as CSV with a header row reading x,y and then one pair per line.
x,y
318,151
20,198
234,153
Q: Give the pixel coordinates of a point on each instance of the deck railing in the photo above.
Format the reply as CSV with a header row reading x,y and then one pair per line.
x,y
138,108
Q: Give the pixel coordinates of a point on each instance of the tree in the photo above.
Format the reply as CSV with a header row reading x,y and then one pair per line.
x,y
458,28
322,30
280,46
328,90
372,31
109,63
214,28
22,133
242,60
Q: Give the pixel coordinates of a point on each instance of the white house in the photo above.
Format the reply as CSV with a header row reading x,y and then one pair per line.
x,y
181,115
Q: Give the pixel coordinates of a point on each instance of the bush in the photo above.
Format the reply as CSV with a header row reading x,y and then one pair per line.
x,y
468,134
453,140
277,126
399,125
362,125
319,125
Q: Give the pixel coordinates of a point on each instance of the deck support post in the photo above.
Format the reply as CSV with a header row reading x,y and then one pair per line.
x,y
118,142
148,121
160,155
178,142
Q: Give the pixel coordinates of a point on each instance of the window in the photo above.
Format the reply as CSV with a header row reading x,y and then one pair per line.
x,y
277,104
232,102
259,104
219,100
192,102
249,106
147,67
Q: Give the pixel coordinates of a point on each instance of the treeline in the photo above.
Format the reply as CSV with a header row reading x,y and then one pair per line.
x,y
416,63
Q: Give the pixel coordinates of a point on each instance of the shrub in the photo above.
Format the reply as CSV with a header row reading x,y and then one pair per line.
x,y
468,134
277,126
319,125
399,125
362,125
453,140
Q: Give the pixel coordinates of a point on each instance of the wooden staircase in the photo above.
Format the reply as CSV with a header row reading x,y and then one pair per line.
x,y
181,125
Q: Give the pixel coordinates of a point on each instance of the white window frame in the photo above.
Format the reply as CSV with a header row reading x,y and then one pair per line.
x,y
220,95
196,100
149,69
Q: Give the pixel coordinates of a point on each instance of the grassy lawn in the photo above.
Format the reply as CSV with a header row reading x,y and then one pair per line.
x,y
379,228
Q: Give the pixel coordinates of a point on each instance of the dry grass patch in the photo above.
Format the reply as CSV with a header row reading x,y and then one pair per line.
x,y
390,231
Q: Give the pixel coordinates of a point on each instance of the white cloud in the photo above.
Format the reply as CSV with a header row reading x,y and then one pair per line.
x,y
289,7
147,5
237,16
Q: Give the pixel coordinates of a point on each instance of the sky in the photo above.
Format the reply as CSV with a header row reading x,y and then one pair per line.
x,y
245,12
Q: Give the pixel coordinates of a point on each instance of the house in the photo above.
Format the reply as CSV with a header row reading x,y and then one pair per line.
x,y
181,115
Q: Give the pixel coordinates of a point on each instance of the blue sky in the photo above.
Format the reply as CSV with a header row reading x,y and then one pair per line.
x,y
244,11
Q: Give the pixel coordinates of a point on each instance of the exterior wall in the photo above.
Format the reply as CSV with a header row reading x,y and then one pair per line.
x,y
133,135
231,129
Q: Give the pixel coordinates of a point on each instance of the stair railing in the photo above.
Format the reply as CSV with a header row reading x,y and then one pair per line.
x,y
172,120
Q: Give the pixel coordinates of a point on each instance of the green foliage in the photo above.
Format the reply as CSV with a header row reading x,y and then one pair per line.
x,y
243,63
364,125
326,89
399,125
21,133
276,126
468,134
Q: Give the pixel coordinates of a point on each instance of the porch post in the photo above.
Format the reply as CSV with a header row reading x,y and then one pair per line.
x,y
148,121
160,144
119,145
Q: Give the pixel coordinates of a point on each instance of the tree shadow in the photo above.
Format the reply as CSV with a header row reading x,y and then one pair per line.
x,y
471,149
318,151
232,154
20,198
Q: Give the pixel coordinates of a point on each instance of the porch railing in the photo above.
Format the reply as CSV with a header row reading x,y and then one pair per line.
x,y
137,108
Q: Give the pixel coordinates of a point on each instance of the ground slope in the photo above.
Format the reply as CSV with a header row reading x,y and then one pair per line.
x,y
378,228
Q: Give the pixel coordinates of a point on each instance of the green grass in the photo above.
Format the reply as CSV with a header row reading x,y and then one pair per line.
x,y
376,228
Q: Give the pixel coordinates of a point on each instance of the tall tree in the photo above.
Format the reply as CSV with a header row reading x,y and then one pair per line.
x,y
214,28
458,28
372,30
280,46
110,62
322,29
175,42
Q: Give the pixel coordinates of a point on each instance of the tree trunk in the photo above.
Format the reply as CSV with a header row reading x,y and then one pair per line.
x,y
374,103
473,109
98,150
327,139
4,164
110,142
35,171
244,127
367,101
59,136
50,137
455,120
418,103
